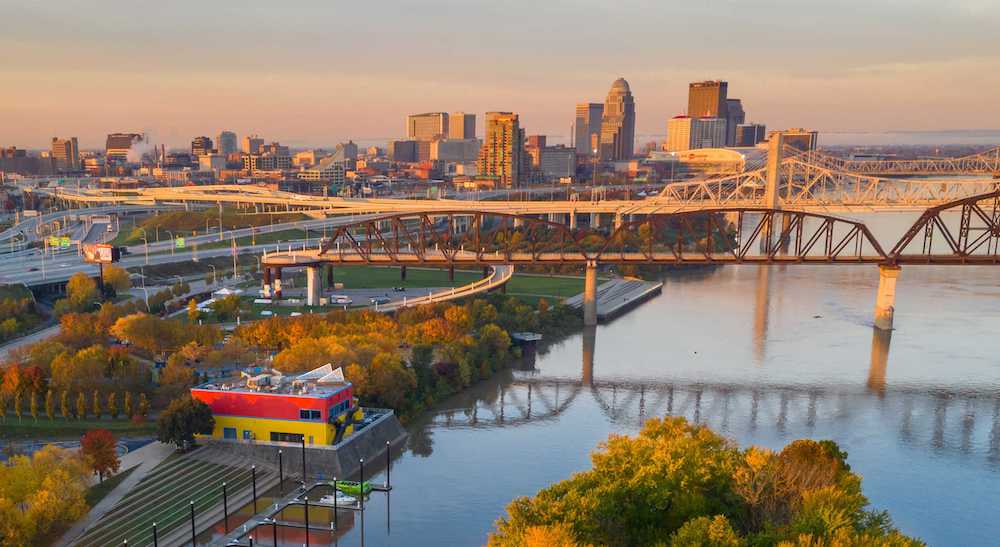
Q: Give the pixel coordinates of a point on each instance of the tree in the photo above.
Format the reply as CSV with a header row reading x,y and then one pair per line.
x,y
33,405
81,292
227,308
81,406
99,449
176,378
64,404
113,405
192,311
117,278
143,410
50,410
183,419
96,400
17,404
127,404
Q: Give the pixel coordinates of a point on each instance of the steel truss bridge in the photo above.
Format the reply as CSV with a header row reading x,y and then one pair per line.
x,y
966,231
983,163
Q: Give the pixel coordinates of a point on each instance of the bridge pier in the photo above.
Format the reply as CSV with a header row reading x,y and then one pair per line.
x,y
313,286
572,220
277,283
329,276
618,221
402,273
595,220
885,299
590,294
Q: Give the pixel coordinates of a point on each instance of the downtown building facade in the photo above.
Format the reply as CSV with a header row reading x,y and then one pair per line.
x,y
427,126
66,154
617,138
227,143
502,156
461,126
587,128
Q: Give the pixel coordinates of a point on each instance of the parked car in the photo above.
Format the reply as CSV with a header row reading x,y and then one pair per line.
x,y
341,300
379,300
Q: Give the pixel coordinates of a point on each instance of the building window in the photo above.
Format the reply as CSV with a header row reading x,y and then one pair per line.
x,y
307,414
277,436
247,435
229,433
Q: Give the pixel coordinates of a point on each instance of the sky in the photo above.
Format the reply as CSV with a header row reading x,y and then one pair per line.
x,y
316,73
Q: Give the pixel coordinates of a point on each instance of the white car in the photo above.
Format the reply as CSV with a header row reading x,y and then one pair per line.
x,y
341,300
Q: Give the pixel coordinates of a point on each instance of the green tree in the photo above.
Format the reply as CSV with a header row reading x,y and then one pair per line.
x,y
81,406
50,406
113,405
183,419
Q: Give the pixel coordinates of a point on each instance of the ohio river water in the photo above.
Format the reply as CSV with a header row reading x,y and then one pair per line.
x,y
763,356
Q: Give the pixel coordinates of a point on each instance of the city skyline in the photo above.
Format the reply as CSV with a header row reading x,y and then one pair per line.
x,y
855,76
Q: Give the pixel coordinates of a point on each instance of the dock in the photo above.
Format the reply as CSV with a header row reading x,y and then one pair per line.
x,y
618,296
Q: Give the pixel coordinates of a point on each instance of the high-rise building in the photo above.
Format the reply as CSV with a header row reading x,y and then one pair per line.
x,y
533,147
455,150
426,126
802,139
118,145
402,151
201,146
502,154
587,127
618,123
461,125
749,134
66,153
679,131
734,117
557,162
346,151
708,133
226,143
252,144
707,99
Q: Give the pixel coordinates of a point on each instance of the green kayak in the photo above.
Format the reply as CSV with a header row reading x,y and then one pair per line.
x,y
354,488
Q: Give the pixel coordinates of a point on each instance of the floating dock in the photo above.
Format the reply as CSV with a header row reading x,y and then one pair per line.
x,y
618,296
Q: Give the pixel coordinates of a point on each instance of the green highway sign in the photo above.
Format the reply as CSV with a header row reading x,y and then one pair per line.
x,y
64,241
179,243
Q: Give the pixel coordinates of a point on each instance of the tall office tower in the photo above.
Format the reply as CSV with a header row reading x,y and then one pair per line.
x,y
402,151
707,99
749,134
461,125
679,131
226,142
618,123
587,127
502,154
66,153
426,126
533,147
201,146
118,146
708,133
734,116
252,144
803,139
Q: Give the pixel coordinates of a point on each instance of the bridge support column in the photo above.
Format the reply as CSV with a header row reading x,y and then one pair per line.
x,y
618,221
277,283
451,273
775,149
572,220
595,220
313,286
590,295
329,277
402,273
885,300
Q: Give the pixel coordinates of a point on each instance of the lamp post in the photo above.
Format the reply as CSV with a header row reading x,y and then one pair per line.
x,y
172,242
145,244
215,276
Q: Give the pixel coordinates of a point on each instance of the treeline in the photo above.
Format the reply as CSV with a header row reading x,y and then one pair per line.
x,y
41,495
411,359
683,485
83,294
18,314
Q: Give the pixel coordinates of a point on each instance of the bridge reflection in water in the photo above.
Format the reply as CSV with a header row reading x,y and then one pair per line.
x,y
961,423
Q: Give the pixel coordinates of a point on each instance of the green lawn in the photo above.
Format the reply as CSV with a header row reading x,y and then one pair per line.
x,y
531,285
28,428
97,492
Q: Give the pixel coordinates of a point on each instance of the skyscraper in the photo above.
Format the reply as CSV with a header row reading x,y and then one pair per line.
x,y
679,133
749,134
502,154
201,146
707,99
252,144
734,116
618,123
66,153
708,133
587,127
461,125
226,142
118,146
424,127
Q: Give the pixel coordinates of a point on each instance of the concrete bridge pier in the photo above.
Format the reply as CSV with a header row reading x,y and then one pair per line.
x,y
329,276
313,286
277,283
267,282
572,220
402,273
885,299
595,220
590,295
618,221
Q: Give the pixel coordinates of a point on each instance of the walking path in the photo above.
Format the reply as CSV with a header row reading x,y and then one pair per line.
x,y
144,460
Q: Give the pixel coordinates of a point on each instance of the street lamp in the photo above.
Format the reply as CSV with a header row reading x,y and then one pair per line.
x,y
215,277
172,242
145,244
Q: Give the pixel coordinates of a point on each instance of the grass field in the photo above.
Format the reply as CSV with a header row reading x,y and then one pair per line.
x,y
97,492
28,428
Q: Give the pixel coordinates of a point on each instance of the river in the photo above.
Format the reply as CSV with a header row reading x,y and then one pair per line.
x,y
764,356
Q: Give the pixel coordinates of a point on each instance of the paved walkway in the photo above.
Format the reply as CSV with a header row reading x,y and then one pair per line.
x,y
144,460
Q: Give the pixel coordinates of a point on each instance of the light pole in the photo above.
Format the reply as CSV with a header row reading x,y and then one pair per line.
x,y
145,243
595,166
215,276
172,242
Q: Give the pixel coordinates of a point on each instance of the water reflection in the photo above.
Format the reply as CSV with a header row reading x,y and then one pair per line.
x,y
880,360
762,303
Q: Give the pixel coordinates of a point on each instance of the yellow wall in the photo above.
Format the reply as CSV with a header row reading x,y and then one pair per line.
x,y
321,432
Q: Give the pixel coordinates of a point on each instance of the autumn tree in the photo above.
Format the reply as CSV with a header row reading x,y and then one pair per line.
x,y
50,407
112,405
81,294
192,311
96,402
184,418
64,404
33,405
81,406
117,278
143,409
127,404
99,449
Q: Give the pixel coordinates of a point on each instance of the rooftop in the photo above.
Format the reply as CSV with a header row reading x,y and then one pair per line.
x,y
319,382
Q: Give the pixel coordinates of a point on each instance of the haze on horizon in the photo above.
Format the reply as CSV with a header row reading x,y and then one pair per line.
x,y
315,73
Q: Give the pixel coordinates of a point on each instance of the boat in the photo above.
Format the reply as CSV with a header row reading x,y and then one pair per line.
x,y
340,499
354,488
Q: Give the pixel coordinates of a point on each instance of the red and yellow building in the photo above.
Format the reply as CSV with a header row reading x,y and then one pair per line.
x,y
265,405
